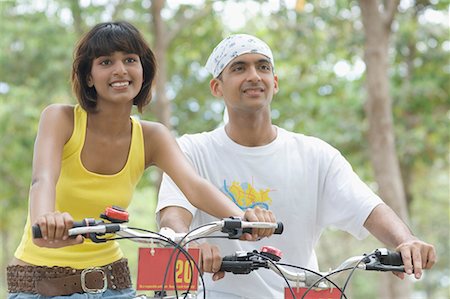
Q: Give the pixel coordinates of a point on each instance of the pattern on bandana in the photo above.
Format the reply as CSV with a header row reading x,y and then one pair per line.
x,y
232,47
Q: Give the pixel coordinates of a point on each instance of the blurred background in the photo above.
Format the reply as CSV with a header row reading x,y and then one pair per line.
x,y
327,54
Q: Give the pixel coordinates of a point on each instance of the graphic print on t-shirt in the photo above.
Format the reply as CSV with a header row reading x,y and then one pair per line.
x,y
245,195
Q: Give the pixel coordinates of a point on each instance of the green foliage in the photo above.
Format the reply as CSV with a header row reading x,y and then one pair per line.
x,y
315,97
31,76
421,91
196,109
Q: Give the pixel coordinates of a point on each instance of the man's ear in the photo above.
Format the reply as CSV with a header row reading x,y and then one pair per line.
x,y
216,87
275,84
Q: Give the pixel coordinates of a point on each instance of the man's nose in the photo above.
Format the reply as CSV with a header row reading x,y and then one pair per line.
x,y
253,74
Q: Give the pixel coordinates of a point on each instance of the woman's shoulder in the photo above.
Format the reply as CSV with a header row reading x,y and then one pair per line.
x,y
59,117
152,128
157,140
59,110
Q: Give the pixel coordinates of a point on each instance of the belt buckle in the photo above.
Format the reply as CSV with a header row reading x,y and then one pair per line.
x,y
83,280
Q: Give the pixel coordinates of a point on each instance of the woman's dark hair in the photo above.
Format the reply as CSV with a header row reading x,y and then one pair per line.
x,y
102,40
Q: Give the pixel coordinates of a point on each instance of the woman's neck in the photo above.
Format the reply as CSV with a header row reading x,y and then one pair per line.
x,y
110,122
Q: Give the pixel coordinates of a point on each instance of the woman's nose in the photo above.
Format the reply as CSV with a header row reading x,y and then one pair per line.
x,y
120,68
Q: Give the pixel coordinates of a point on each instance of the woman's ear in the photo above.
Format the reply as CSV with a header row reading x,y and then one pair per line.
x,y
89,81
216,87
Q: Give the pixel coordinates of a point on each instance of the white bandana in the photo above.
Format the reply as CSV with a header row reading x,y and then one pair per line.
x,y
232,47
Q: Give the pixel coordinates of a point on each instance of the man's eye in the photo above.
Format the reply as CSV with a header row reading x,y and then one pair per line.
x,y
265,67
238,68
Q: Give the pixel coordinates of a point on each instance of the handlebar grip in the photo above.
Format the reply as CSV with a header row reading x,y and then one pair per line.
x,y
392,258
383,259
37,233
278,230
236,267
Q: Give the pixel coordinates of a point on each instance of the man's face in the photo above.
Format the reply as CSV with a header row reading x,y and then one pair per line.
x,y
247,84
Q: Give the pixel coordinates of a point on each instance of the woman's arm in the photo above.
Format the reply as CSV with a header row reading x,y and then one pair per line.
x,y
55,129
163,151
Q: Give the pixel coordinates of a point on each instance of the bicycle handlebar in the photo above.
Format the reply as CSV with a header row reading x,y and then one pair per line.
x,y
92,229
380,259
240,262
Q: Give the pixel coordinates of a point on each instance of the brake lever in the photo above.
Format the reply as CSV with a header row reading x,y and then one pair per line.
x,y
385,268
243,263
233,227
374,262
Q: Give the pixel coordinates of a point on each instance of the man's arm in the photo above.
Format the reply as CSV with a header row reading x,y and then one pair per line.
x,y
387,227
179,219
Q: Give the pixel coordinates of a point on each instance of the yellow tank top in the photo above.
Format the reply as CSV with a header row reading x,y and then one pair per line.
x,y
85,194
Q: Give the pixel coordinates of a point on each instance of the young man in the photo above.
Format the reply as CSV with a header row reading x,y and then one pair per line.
x,y
301,179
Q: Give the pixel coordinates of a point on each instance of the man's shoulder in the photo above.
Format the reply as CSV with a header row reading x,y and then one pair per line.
x,y
197,140
307,143
300,137
201,136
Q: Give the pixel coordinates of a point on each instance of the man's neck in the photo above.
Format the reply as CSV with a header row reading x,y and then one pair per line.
x,y
251,134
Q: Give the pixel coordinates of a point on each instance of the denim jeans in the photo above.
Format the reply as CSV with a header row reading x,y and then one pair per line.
x,y
108,294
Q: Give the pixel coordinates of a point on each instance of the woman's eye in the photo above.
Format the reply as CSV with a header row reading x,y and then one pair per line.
x,y
105,62
130,60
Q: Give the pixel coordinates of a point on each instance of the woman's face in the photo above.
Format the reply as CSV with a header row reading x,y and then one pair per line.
x,y
117,77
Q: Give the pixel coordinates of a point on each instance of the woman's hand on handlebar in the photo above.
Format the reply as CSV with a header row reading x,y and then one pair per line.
x,y
258,215
54,228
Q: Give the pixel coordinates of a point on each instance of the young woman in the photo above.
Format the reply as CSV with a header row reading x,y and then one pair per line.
x,y
92,155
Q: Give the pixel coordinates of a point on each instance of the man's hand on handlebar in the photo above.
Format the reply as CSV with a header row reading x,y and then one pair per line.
x,y
210,259
417,255
258,215
54,227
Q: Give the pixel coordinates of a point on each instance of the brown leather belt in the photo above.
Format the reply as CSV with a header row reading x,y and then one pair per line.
x,y
60,281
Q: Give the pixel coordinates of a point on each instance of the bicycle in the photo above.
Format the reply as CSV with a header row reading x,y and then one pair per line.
x,y
308,281
300,284
98,231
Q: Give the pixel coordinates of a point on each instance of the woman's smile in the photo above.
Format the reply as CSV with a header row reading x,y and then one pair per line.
x,y
120,85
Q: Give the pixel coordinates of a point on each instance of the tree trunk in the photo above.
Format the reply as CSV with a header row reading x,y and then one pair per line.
x,y
163,38
77,18
377,22
162,103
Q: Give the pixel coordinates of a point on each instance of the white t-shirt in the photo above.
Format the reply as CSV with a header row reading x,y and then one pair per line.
x,y
305,182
